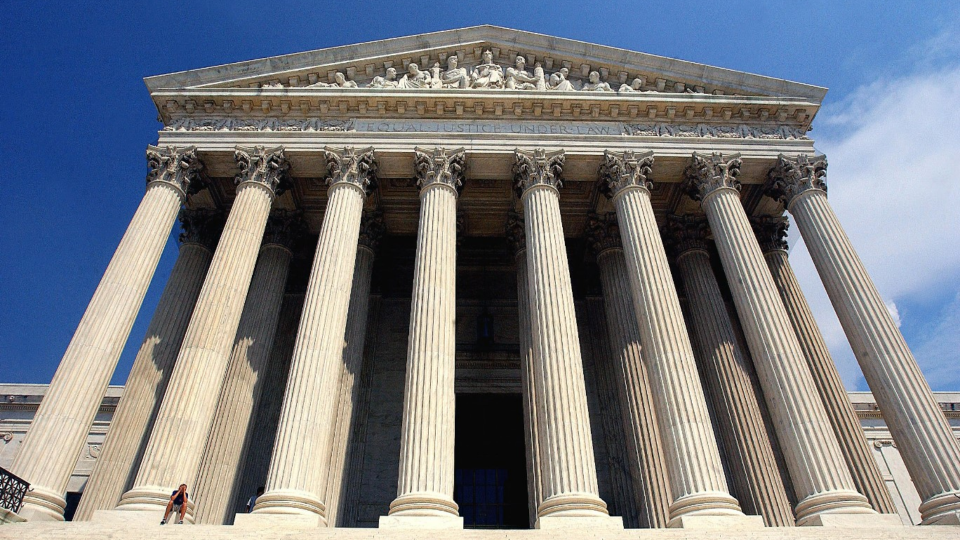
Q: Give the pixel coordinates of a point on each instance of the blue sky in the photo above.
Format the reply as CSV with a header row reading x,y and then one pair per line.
x,y
75,118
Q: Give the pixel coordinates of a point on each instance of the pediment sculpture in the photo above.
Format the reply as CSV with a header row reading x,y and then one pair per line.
x,y
487,75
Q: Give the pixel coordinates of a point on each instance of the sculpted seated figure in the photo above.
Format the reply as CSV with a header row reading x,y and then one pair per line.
x,y
518,78
454,76
559,82
594,85
415,78
634,86
389,81
487,74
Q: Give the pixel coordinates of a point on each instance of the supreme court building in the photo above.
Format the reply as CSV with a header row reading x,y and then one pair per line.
x,y
485,278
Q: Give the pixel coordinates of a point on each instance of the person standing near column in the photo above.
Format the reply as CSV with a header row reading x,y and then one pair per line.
x,y
176,445
929,448
693,458
297,475
824,487
58,433
425,485
133,420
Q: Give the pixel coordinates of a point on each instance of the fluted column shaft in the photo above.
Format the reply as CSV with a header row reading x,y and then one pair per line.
x,y
820,476
297,473
928,446
728,376
132,422
349,390
689,446
56,437
425,485
227,443
515,233
636,395
180,432
846,426
566,446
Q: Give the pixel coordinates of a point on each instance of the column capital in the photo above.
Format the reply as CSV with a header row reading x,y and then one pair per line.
x,y
439,166
178,166
771,232
265,166
688,233
622,170
516,234
603,233
538,167
201,226
284,228
792,176
708,173
372,228
352,166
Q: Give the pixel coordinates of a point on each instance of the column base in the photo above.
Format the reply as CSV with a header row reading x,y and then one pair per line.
x,y
718,523
149,500
833,503
138,518
853,521
606,523
944,507
718,504
421,522
422,504
586,505
264,521
40,504
7,517
289,502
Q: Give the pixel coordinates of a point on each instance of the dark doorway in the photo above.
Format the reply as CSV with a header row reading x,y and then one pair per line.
x,y
490,484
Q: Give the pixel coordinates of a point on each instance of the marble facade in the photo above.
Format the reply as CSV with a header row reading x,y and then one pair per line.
x,y
584,228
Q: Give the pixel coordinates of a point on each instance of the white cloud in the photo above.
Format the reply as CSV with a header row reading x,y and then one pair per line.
x,y
894,180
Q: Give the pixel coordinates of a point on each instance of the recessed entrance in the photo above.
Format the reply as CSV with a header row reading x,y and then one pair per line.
x,y
490,484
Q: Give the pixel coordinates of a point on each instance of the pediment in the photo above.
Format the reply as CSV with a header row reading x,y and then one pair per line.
x,y
485,58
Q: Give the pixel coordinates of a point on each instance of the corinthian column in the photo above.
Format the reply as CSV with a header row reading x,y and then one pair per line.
x,y
566,445
425,486
930,451
173,455
771,233
693,458
371,229
636,396
131,423
297,468
229,438
820,476
729,378
515,235
52,445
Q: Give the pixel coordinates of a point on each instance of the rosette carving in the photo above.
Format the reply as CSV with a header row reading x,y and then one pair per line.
x,y
793,176
621,170
538,167
706,174
266,166
357,167
177,166
440,166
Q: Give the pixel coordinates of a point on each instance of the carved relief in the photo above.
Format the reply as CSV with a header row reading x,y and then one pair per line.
x,y
264,124
372,228
266,166
201,226
771,232
357,167
488,74
603,232
711,130
792,176
687,233
284,228
706,174
516,234
620,170
179,167
536,168
439,166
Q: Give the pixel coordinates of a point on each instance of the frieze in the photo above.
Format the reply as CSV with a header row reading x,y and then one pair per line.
x,y
495,127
